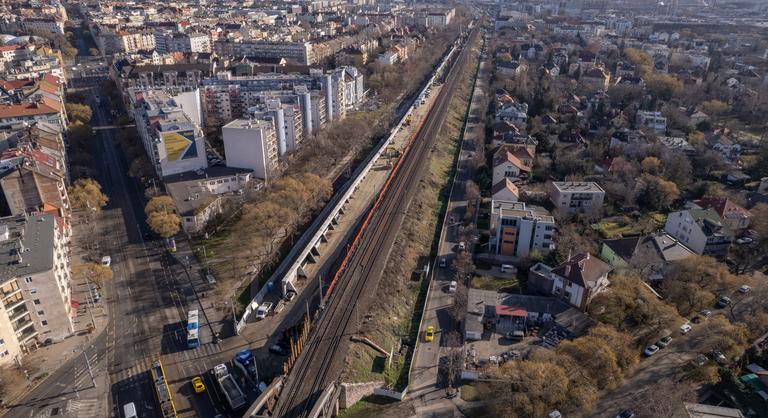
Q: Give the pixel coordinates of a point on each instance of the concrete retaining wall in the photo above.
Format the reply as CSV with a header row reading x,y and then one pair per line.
x,y
353,392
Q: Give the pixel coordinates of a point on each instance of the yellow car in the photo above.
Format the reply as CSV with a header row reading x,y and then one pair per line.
x,y
429,335
198,384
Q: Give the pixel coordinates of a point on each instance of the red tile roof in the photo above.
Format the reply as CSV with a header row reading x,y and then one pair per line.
x,y
503,310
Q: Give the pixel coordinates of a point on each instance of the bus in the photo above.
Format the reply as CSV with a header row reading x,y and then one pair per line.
x,y
167,408
193,329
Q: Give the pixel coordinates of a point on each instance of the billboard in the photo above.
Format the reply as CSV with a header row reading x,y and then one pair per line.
x,y
179,145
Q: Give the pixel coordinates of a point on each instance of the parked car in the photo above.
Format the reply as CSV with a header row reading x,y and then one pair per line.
x,y
723,302
290,295
706,313
627,413
664,341
263,310
198,385
744,240
718,356
279,349
685,328
452,286
651,350
462,246
429,334
106,261
745,288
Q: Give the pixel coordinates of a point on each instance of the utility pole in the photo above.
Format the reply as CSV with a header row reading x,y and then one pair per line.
x,y
320,291
90,302
90,371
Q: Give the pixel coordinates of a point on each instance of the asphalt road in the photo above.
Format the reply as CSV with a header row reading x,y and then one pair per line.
x,y
425,381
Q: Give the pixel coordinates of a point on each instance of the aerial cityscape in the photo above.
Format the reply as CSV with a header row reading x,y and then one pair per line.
x,y
384,208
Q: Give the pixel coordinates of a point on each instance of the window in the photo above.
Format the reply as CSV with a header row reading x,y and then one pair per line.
x,y
28,279
32,291
4,353
44,323
2,342
37,301
41,313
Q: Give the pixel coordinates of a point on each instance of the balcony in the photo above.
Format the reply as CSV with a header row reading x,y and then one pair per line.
x,y
25,336
18,312
13,304
6,295
22,325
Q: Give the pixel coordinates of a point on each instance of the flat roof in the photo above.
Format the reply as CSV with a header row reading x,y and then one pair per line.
x,y
248,124
28,248
578,186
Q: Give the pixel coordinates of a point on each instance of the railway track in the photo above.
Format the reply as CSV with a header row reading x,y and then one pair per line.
x,y
320,362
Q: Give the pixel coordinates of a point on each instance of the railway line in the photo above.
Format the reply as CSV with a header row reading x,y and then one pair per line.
x,y
321,360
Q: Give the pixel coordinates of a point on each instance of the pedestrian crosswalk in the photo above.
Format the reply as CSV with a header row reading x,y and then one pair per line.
x,y
84,408
133,373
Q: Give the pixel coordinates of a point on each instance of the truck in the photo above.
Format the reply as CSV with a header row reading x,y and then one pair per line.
x,y
228,387
246,362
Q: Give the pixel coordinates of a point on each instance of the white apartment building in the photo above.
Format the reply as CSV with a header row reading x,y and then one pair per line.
x,y
181,42
346,89
652,120
517,229
287,122
169,126
34,284
136,41
577,196
297,52
251,145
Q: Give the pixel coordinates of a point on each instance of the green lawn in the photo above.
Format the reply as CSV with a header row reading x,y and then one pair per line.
x,y
623,226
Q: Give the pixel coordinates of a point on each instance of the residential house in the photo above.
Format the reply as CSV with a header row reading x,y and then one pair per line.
x,y
577,197
652,120
677,144
596,79
510,68
626,138
733,215
649,255
516,113
723,141
576,281
517,229
505,191
201,196
701,230
512,163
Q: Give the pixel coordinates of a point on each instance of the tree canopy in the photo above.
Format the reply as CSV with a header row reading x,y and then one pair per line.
x,y
86,194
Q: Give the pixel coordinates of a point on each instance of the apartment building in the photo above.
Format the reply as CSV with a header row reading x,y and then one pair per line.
x,y
169,126
346,89
166,41
34,284
577,196
32,182
294,52
41,109
517,229
136,41
286,120
251,144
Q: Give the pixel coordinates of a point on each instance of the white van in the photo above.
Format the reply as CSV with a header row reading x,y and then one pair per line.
x,y
129,410
506,267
